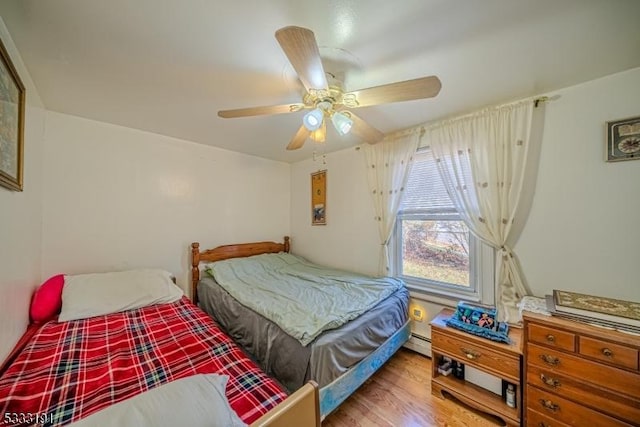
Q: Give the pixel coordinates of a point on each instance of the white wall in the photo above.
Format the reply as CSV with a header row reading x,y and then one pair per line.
x,y
21,219
350,238
118,198
581,233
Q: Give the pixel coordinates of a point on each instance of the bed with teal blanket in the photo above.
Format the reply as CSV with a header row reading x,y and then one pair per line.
x,y
301,321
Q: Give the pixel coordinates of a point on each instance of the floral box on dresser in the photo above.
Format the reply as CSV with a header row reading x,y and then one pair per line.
x,y
578,374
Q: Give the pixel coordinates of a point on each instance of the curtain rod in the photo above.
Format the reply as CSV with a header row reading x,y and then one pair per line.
x,y
422,128
539,100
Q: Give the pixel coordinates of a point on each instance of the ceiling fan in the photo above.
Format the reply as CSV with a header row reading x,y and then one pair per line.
x,y
332,102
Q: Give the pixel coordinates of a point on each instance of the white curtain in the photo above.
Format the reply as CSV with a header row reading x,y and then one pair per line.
x,y
481,159
388,164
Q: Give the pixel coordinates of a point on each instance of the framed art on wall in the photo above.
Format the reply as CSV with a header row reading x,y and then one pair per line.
x,y
319,198
623,139
12,101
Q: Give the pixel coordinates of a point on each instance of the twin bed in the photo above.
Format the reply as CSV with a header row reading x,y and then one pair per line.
x,y
97,370
110,365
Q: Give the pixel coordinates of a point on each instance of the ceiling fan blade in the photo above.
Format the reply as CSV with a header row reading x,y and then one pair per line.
x,y
299,138
425,87
299,44
364,130
259,111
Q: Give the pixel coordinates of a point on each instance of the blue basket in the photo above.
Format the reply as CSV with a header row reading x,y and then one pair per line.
x,y
479,321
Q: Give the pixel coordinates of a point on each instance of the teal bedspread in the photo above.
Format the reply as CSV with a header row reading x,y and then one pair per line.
x,y
303,298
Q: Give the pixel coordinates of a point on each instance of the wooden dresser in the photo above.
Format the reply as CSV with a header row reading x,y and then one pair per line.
x,y
579,375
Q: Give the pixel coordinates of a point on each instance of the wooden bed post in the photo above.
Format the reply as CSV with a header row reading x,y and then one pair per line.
x,y
195,271
286,244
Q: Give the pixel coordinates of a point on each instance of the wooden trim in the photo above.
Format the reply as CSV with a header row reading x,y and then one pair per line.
x,y
299,409
15,183
220,253
22,342
195,271
573,326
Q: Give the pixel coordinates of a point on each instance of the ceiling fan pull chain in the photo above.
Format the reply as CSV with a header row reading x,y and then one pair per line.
x,y
324,157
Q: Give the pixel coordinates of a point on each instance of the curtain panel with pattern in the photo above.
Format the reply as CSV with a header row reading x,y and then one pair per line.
x,y
481,159
388,164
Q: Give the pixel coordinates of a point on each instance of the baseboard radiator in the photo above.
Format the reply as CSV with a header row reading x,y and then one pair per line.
x,y
419,343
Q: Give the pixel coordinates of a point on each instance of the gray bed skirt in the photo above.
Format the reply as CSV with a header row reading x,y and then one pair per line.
x,y
328,357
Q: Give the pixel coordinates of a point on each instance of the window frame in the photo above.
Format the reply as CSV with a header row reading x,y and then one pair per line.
x,y
481,264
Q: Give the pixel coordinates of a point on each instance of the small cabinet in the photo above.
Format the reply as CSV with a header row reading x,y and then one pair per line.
x,y
498,359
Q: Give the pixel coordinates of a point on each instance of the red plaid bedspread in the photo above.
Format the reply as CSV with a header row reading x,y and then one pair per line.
x,y
71,369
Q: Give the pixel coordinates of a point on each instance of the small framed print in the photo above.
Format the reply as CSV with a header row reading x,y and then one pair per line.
x,y
623,139
319,198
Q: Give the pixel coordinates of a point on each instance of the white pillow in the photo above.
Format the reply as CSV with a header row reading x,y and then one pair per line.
x,y
193,401
88,295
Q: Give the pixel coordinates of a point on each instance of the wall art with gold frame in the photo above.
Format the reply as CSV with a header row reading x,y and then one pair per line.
x,y
319,198
12,100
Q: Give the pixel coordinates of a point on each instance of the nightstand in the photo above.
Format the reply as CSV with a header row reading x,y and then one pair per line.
x,y
497,359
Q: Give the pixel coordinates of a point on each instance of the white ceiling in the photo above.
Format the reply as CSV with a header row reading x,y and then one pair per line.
x,y
168,66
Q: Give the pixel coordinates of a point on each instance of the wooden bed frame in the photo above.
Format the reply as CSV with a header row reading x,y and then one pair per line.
x,y
220,253
333,394
301,408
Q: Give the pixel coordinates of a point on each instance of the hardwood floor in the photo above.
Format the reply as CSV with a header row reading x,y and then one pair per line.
x,y
399,395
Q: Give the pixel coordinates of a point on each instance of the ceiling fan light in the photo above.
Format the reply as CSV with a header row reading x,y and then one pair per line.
x,y
313,119
342,123
320,134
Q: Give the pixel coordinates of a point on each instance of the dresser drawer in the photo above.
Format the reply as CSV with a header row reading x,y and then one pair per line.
x,y
551,337
623,382
615,354
577,391
504,365
567,411
536,419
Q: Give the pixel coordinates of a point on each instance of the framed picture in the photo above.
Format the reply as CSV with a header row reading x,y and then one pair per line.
x,y
11,124
623,139
319,198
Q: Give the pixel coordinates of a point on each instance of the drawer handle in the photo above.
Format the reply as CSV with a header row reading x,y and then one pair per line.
x,y
470,353
551,382
547,404
607,352
550,338
550,360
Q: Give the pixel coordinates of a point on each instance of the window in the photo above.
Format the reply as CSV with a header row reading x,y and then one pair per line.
x,y
434,251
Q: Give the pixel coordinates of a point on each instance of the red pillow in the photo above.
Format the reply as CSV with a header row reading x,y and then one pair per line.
x,y
47,300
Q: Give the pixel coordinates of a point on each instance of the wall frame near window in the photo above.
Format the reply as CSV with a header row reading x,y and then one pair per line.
x,y
319,198
12,104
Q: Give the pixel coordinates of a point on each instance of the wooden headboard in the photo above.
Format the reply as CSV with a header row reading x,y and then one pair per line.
x,y
239,250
